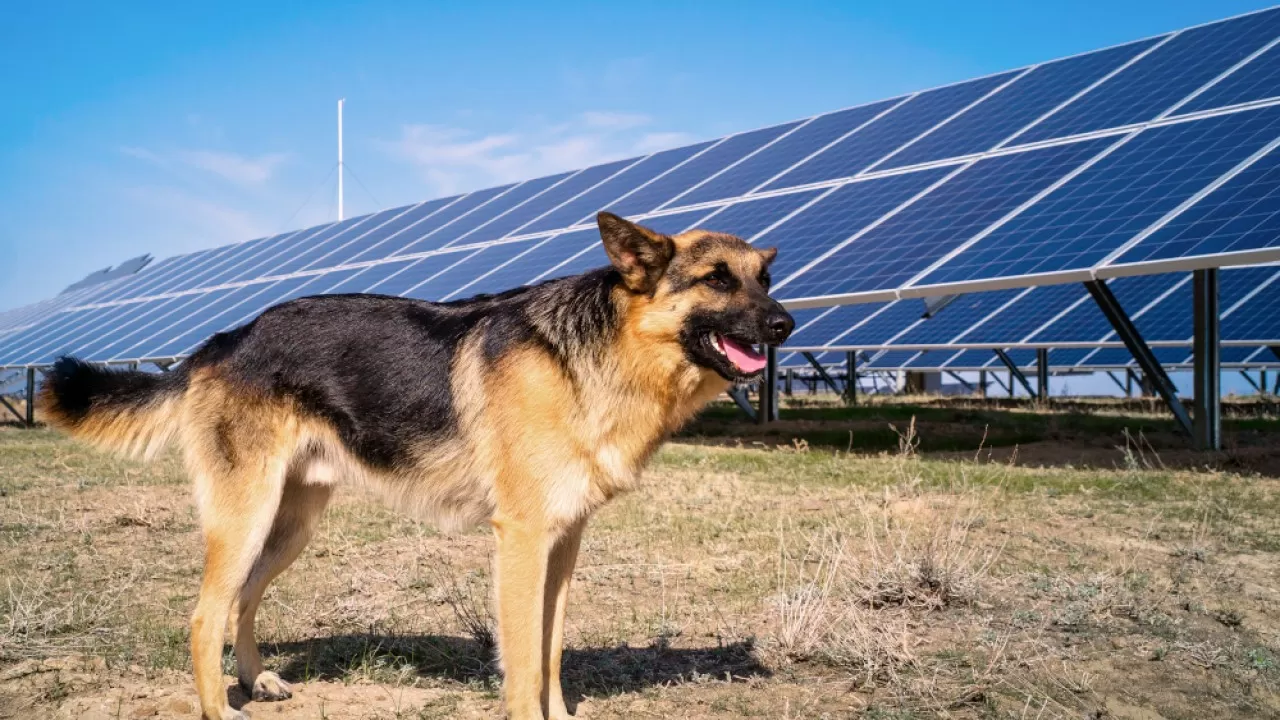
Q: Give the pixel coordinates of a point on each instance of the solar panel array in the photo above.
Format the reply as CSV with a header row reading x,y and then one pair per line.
x,y
1154,155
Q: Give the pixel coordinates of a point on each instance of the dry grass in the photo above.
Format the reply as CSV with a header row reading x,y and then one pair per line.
x,y
752,579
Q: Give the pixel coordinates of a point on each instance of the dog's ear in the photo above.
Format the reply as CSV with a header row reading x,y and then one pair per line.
x,y
769,255
640,254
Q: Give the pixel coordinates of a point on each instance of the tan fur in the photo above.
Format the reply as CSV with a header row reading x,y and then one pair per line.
x,y
535,454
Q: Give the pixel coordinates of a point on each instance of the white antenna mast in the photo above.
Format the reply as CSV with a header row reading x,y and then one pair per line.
x,y
340,167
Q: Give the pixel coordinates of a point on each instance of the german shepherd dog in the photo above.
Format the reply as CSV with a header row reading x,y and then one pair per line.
x,y
528,409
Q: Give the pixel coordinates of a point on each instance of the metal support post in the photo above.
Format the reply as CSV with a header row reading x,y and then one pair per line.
x,y
788,378
851,383
1015,374
982,383
768,411
1042,374
1208,369
31,397
1152,371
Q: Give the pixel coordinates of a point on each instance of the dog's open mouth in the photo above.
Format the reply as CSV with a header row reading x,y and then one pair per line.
x,y
741,355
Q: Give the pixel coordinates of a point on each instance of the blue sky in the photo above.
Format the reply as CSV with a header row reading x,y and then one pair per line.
x,y
139,127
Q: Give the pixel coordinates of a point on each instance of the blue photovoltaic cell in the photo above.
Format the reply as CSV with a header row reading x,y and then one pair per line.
x,y
1080,223
958,316
878,330
383,236
834,323
594,257
1068,357
941,221
1030,312
194,274
583,207
433,232
1256,319
1234,284
134,286
268,264
187,337
966,359
226,268
1257,80
418,273
217,303
932,359
13,346
449,284
1155,83
783,153
748,218
1016,106
836,217
1169,319
1243,214
472,228
890,359
715,159
97,342
311,252
1086,323
539,257
66,340
1021,358
546,202
1233,354
867,146
368,277
147,326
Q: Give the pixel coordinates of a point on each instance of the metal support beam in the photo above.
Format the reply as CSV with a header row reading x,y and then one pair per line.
x,y
31,397
822,372
965,383
768,411
740,398
851,381
1128,333
1129,377
1253,383
1042,374
1015,374
788,377
1207,360
1000,383
982,383
1118,382
12,409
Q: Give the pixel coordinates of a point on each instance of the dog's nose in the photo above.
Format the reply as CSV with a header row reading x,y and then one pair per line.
x,y
778,327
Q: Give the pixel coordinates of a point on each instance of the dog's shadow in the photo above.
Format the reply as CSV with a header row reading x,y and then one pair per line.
x,y
587,672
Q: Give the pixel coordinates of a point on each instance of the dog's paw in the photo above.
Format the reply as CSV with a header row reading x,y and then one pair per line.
x,y
268,687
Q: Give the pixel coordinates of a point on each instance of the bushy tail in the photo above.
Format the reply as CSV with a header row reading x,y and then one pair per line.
x,y
128,412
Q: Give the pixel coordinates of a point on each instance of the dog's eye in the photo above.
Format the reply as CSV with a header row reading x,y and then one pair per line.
x,y
718,280
765,279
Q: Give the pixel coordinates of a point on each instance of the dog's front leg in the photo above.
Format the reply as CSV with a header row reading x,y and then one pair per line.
x,y
559,572
520,577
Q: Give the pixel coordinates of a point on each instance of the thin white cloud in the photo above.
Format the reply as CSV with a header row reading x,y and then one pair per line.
x,y
452,160
234,168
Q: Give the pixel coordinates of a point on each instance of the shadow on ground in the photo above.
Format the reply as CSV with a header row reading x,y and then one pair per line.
x,y
587,672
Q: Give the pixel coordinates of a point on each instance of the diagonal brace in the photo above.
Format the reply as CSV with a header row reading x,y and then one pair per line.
x,y
739,395
822,372
1015,372
1151,368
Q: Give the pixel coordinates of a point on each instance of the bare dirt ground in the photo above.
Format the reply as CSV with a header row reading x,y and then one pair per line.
x,y
1071,567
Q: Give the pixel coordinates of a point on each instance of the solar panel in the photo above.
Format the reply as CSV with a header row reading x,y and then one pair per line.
x,y
1108,163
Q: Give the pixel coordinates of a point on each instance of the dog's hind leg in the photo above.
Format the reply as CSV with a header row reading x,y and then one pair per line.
x,y
559,572
238,502
300,508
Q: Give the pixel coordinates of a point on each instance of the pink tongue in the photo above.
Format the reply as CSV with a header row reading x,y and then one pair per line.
x,y
743,357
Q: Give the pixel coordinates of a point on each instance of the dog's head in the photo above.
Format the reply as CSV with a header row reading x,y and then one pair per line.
x,y
708,292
